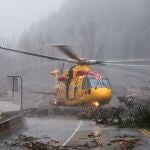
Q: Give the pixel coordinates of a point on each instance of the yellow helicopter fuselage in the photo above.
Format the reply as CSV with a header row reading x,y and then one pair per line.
x,y
84,87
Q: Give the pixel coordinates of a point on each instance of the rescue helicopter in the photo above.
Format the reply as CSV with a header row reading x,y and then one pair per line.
x,y
80,85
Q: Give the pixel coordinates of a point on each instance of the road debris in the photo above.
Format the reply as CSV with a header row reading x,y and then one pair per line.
x,y
129,114
126,142
32,143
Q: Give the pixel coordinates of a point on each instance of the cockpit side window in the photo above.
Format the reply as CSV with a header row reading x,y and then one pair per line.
x,y
94,83
105,82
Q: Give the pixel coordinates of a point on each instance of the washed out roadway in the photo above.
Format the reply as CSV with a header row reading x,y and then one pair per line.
x,y
71,132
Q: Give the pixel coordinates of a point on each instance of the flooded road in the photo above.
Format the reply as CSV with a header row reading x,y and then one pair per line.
x,y
44,129
109,137
78,133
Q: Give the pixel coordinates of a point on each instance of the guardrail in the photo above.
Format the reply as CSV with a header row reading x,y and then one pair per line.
x,y
10,122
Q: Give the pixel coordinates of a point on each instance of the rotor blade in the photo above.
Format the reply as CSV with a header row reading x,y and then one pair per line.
x,y
126,65
38,55
93,62
66,50
126,61
116,62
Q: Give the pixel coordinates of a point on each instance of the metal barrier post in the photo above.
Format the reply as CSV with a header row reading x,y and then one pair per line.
x,y
21,108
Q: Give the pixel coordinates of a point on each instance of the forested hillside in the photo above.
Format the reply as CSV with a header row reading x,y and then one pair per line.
x,y
95,28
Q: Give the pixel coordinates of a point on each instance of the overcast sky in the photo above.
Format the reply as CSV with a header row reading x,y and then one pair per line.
x,y
18,15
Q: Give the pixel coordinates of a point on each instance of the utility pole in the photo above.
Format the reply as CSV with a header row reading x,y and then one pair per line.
x,y
21,80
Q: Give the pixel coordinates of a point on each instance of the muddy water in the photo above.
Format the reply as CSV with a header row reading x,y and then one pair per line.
x,y
44,129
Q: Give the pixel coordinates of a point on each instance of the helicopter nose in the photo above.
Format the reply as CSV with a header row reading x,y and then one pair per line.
x,y
102,95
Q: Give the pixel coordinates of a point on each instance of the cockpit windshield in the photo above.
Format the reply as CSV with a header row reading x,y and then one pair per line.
x,y
94,83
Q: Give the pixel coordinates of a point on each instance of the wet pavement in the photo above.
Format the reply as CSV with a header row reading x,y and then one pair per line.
x,y
71,133
109,137
43,129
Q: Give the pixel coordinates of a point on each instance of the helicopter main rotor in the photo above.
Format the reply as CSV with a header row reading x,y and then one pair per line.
x,y
82,61
76,60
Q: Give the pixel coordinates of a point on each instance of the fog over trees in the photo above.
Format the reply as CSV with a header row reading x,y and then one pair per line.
x,y
101,29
